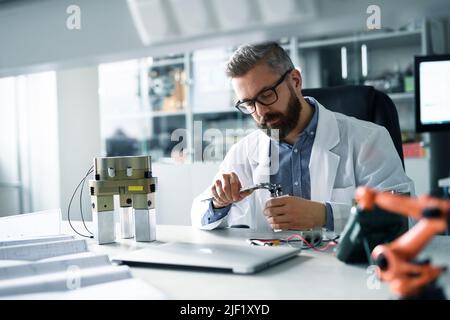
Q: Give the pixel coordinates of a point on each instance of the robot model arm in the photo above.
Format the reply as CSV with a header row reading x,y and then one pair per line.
x,y
395,261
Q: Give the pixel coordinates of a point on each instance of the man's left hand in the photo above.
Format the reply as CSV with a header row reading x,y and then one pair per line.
x,y
288,212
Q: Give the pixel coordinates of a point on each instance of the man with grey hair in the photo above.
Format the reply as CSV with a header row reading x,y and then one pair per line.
x,y
320,156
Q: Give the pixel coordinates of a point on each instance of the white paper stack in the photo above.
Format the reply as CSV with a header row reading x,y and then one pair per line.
x,y
61,267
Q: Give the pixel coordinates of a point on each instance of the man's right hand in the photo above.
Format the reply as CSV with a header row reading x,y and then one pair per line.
x,y
226,190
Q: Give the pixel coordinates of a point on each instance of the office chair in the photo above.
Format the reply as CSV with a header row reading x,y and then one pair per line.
x,y
365,103
362,102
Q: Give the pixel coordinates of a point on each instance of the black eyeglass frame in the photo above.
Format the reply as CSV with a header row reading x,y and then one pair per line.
x,y
254,100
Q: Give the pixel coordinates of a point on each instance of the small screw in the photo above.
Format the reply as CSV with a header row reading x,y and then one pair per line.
x,y
149,203
128,201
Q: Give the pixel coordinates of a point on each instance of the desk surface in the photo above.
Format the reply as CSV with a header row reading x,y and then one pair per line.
x,y
311,275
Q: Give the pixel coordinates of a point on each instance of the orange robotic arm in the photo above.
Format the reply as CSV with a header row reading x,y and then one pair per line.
x,y
395,260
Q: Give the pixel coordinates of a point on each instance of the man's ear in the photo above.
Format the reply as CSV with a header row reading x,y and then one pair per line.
x,y
297,79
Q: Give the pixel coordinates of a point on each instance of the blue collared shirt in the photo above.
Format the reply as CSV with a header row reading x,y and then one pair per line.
x,y
293,173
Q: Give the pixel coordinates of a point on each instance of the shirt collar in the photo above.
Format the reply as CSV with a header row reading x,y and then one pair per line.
x,y
312,125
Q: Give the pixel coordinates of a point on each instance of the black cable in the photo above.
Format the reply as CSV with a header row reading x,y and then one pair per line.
x,y
70,203
81,197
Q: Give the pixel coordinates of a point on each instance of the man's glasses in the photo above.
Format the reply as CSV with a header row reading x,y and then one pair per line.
x,y
266,97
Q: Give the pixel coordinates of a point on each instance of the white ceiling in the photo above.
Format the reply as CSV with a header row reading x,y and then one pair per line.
x,y
34,37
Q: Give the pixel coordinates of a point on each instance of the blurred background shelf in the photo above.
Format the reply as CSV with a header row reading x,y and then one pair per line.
x,y
218,111
195,82
376,38
167,62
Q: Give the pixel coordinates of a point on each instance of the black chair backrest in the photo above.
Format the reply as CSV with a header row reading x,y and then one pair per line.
x,y
362,102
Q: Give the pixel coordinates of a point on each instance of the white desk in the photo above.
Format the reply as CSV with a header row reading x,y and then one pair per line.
x,y
311,275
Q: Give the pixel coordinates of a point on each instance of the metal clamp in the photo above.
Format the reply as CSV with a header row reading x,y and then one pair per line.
x,y
274,189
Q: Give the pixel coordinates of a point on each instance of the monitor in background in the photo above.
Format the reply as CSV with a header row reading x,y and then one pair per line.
x,y
432,78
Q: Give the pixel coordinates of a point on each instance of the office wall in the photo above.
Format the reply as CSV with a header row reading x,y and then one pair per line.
x,y
29,143
9,170
39,125
418,169
79,132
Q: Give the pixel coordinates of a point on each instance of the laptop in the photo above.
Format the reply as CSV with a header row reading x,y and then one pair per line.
x,y
236,258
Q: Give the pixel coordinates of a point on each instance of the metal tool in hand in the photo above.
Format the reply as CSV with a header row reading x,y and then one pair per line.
x,y
274,189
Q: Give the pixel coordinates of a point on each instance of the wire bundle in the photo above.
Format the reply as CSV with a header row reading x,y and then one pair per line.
x,y
331,243
91,169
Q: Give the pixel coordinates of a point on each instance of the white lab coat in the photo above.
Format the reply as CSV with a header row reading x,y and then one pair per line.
x,y
346,153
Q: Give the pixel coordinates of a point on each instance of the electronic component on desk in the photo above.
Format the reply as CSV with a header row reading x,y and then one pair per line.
x,y
302,239
266,242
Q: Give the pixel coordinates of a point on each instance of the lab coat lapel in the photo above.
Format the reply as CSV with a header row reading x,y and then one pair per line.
x,y
260,158
264,161
324,163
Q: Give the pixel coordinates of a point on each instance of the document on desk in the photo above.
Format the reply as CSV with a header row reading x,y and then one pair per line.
x,y
84,260
35,224
127,289
28,240
61,266
42,250
70,279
